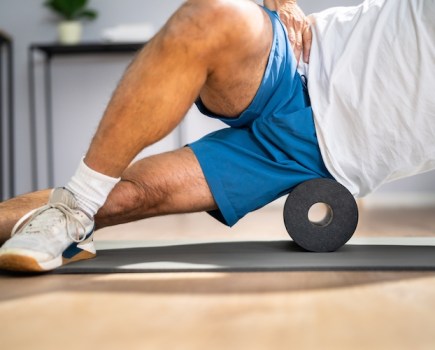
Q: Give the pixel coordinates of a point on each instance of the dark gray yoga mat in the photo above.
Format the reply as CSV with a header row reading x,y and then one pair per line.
x,y
359,254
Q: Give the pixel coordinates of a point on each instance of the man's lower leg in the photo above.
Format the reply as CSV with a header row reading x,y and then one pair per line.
x,y
13,209
147,188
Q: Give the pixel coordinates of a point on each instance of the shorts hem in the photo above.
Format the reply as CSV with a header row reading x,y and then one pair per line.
x,y
226,213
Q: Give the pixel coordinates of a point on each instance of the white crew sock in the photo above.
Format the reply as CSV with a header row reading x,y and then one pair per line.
x,y
90,188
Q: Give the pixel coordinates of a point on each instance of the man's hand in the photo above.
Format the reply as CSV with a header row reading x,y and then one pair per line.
x,y
298,25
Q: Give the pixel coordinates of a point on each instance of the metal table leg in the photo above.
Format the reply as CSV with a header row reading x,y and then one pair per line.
x,y
1,124
32,121
6,104
11,122
49,120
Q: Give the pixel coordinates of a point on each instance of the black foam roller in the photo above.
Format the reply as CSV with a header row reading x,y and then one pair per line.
x,y
338,227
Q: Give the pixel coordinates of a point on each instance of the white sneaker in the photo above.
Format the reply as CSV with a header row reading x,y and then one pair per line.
x,y
51,236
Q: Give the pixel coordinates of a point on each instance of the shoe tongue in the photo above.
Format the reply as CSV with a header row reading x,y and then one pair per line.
x,y
62,195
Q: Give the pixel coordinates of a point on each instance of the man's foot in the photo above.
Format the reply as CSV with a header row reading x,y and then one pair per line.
x,y
51,236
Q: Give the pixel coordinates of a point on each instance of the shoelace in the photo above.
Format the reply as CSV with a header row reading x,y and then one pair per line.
x,y
67,211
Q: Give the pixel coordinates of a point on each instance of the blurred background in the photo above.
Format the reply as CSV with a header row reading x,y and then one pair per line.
x,y
82,85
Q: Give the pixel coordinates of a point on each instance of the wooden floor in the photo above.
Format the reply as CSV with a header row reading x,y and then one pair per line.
x,y
294,310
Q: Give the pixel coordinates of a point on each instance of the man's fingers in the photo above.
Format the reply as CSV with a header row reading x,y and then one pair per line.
x,y
292,36
296,23
296,40
307,37
297,48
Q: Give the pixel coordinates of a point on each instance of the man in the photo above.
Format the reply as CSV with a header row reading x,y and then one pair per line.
x,y
370,80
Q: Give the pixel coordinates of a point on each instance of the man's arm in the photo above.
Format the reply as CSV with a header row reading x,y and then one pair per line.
x,y
297,24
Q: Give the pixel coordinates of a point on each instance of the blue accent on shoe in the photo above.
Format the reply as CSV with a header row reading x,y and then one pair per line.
x,y
73,249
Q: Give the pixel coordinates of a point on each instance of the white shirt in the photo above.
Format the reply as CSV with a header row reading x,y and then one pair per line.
x,y
371,80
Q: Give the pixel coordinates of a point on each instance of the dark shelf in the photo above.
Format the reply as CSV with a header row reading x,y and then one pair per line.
x,y
87,48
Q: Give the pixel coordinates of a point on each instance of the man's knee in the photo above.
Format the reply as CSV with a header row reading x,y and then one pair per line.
x,y
222,15
214,24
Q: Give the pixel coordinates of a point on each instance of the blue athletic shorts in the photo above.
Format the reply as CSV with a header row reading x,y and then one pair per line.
x,y
270,148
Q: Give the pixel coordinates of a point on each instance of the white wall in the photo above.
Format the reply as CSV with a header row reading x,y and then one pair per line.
x,y
83,85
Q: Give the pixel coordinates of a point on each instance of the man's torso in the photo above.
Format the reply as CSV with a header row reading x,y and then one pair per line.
x,y
371,80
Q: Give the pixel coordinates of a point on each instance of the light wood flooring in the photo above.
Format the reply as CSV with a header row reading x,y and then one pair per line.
x,y
282,310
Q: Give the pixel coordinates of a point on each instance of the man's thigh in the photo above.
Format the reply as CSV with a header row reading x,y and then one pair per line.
x,y
235,78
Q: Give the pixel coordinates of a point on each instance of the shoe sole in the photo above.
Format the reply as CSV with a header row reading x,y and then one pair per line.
x,y
24,263
13,262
